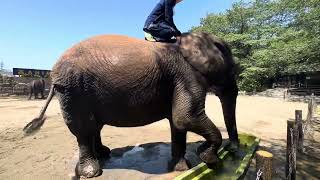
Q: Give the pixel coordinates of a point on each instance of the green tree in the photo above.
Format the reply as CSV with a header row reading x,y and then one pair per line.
x,y
269,38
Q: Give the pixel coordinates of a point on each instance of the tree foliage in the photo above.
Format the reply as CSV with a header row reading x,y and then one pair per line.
x,y
269,38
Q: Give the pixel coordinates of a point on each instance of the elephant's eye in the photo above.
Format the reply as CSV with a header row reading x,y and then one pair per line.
x,y
196,52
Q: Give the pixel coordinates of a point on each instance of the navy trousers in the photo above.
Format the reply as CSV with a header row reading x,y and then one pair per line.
x,y
161,33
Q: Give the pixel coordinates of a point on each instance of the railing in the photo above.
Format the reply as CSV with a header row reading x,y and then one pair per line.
x,y
18,89
304,91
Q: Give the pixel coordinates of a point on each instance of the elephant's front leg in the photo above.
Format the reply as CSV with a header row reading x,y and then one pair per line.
x,y
189,115
178,150
207,151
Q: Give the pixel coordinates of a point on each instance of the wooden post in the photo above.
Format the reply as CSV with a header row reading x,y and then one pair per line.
x,y
285,94
264,164
311,109
291,150
298,114
309,124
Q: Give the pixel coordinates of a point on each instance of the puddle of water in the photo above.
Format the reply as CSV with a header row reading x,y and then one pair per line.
x,y
133,151
152,160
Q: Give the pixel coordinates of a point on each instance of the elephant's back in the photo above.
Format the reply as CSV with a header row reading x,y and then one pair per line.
x,y
107,48
108,56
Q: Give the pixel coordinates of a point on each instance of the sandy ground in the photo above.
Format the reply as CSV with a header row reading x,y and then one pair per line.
x,y
52,152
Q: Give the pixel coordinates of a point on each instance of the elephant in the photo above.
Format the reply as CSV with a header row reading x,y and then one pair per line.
x,y
128,82
35,87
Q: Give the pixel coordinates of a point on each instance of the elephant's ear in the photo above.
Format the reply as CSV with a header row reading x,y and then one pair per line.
x,y
200,51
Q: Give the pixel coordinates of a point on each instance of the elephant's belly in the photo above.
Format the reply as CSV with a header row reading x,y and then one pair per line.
x,y
124,116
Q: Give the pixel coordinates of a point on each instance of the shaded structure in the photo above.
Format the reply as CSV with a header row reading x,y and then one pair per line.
x,y
302,83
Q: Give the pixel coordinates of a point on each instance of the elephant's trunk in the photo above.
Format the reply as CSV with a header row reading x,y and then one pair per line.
x,y
37,122
228,99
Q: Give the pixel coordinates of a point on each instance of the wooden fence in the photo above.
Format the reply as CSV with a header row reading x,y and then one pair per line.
x,y
297,130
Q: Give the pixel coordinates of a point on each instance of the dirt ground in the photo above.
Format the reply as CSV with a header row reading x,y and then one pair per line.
x,y
51,153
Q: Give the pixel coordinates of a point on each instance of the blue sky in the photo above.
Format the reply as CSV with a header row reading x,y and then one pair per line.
x,y
34,33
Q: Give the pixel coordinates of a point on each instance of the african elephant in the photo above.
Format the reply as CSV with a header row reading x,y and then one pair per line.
x,y
126,82
35,87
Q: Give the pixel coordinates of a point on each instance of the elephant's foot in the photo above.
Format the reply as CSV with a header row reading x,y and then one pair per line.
x,y
233,146
88,169
103,152
208,153
178,164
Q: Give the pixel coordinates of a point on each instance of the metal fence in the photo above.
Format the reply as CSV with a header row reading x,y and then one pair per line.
x,y
19,86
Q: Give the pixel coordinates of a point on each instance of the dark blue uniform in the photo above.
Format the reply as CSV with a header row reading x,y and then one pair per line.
x,y
160,22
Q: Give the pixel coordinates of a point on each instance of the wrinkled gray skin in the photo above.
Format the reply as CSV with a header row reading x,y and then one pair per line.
x,y
36,87
126,82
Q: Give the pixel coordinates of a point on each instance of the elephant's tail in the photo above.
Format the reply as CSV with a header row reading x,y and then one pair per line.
x,y
37,122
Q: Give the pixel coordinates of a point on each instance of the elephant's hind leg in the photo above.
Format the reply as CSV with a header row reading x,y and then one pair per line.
x,y
42,94
103,152
35,94
88,164
30,95
82,124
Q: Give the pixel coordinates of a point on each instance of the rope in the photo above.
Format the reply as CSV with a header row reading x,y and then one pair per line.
x,y
259,174
292,154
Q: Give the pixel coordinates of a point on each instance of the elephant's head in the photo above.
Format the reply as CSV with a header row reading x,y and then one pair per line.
x,y
209,55
212,57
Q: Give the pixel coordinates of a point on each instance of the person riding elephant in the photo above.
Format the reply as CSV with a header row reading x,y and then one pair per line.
x,y
159,25
127,82
36,87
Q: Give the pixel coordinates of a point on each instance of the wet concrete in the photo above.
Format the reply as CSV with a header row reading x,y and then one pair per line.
x,y
150,161
146,161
